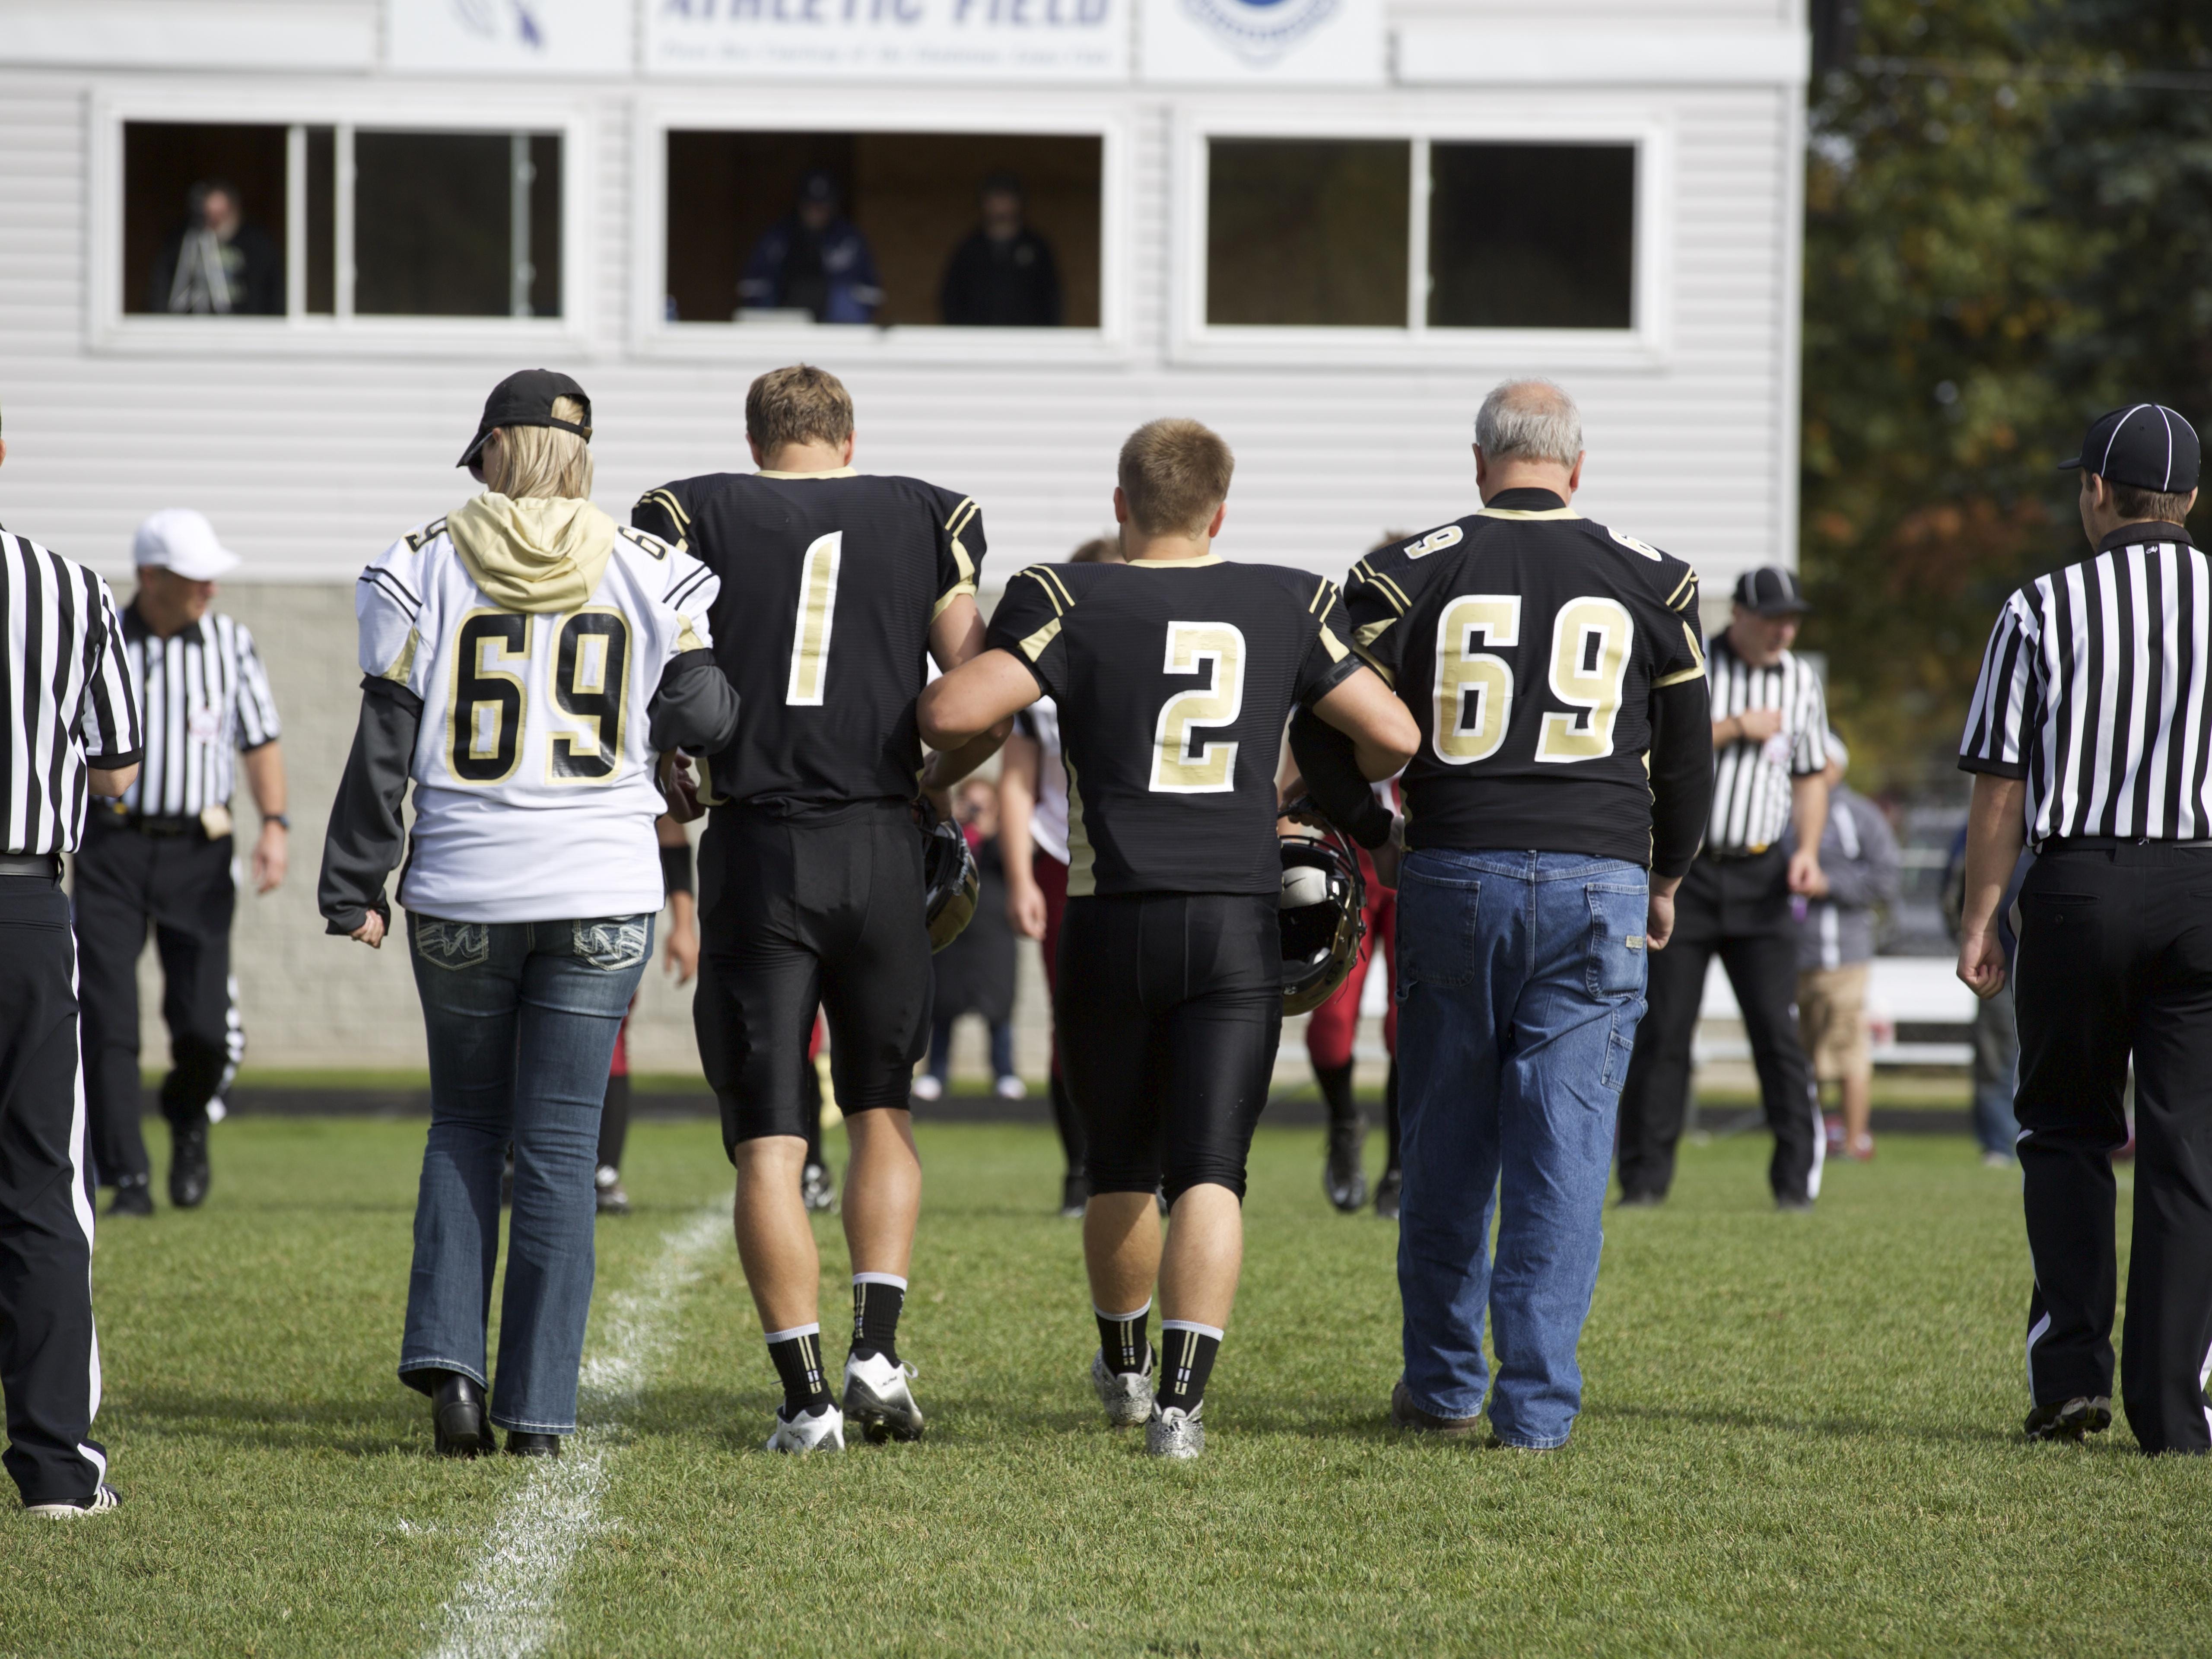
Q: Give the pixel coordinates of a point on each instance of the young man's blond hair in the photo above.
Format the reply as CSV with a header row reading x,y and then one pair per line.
x,y
1173,474
524,461
797,405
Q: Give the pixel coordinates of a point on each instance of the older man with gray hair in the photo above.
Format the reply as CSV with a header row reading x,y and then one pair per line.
x,y
1555,670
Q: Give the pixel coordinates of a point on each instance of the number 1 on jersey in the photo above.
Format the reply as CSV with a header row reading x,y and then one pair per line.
x,y
1193,649
818,606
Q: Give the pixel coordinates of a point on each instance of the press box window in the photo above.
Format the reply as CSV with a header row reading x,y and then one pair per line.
x,y
1320,234
443,224
983,229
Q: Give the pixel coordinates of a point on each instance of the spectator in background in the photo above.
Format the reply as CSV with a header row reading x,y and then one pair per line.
x,y
814,259
975,974
1004,275
1033,833
1995,1030
1859,873
215,263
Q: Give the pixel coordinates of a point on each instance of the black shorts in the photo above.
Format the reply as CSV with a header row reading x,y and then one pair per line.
x,y
822,908
1169,1007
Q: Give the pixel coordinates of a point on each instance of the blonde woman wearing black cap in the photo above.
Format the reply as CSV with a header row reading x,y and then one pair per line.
x,y
556,654
2089,741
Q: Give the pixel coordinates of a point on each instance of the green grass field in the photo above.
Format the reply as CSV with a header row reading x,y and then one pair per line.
x,y
1801,1435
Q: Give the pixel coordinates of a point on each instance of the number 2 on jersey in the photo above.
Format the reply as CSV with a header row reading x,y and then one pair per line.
x,y
1590,641
1197,648
818,607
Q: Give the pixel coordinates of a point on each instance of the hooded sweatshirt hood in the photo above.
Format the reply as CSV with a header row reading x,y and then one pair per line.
x,y
541,554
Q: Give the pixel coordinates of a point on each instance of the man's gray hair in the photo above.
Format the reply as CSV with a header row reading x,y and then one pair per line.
x,y
1530,421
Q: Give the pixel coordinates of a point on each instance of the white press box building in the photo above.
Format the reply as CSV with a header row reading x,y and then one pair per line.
x,y
1324,227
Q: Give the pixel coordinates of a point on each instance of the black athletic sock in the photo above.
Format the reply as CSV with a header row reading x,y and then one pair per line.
x,y
1187,1354
797,1355
614,1121
809,1102
1336,1089
1121,1339
878,1301
1390,1117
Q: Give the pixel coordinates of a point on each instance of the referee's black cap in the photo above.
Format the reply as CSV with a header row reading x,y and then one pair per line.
x,y
1771,591
2145,446
526,398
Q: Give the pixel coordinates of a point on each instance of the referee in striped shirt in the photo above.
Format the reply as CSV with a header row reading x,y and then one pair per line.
x,y
69,727
161,858
2090,738
1770,742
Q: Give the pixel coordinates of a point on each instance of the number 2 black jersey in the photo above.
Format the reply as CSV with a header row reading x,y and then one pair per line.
x,y
830,583
1535,649
1174,679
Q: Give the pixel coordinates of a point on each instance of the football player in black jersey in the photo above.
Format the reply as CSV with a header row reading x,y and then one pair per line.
x,y
1558,797
1174,674
835,583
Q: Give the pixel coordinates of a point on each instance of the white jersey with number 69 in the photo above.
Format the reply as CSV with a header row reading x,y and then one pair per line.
x,y
534,790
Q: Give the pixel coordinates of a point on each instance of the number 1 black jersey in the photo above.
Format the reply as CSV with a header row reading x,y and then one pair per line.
x,y
830,583
1534,647
1174,679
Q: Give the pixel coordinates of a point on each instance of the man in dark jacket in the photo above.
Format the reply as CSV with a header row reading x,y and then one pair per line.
x,y
1004,275
814,259
216,263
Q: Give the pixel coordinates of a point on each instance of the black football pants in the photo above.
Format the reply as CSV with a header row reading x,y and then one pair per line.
x,y
2116,957
1168,1008
49,1359
1739,909
181,886
825,910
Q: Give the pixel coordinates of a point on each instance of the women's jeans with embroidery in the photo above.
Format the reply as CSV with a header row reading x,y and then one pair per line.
x,y
522,1018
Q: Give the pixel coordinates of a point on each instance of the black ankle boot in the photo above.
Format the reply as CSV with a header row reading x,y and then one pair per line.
x,y
524,1442
457,1413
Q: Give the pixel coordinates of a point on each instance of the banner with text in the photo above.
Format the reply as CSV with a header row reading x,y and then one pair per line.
x,y
890,39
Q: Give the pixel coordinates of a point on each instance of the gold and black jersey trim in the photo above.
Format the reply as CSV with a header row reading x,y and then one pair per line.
x,y
1684,591
666,501
1061,600
419,539
1697,656
1382,584
1324,596
964,566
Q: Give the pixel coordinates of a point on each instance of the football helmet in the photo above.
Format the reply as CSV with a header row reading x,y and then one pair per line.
x,y
1323,917
949,878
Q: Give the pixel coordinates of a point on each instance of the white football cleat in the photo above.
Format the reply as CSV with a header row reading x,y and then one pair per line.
x,y
821,1430
877,1397
99,1504
1126,1395
1175,1433
926,1088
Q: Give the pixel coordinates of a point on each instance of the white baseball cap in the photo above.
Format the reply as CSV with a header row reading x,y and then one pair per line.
x,y
177,538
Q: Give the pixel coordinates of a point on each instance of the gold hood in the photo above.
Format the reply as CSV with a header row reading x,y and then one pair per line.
x,y
542,554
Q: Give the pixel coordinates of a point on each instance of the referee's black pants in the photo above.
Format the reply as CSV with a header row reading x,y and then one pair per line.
x,y
48,1361
180,885
2116,957
1739,909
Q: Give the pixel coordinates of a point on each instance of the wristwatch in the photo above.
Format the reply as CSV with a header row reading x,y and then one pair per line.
x,y
276,818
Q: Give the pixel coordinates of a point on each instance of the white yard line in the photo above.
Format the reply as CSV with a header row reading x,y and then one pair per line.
x,y
505,1607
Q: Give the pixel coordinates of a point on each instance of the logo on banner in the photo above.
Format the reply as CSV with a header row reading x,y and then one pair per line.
x,y
1261,30
485,18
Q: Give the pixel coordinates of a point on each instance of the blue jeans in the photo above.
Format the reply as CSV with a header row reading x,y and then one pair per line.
x,y
1521,983
521,1017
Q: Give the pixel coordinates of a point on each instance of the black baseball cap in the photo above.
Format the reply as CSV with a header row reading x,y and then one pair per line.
x,y
1771,591
526,398
2144,446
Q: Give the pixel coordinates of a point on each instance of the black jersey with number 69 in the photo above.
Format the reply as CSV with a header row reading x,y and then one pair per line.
x,y
830,583
1536,650
1174,680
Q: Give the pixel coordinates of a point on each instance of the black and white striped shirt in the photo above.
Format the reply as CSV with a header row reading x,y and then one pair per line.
x,y
68,704
1751,781
2093,690
207,699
